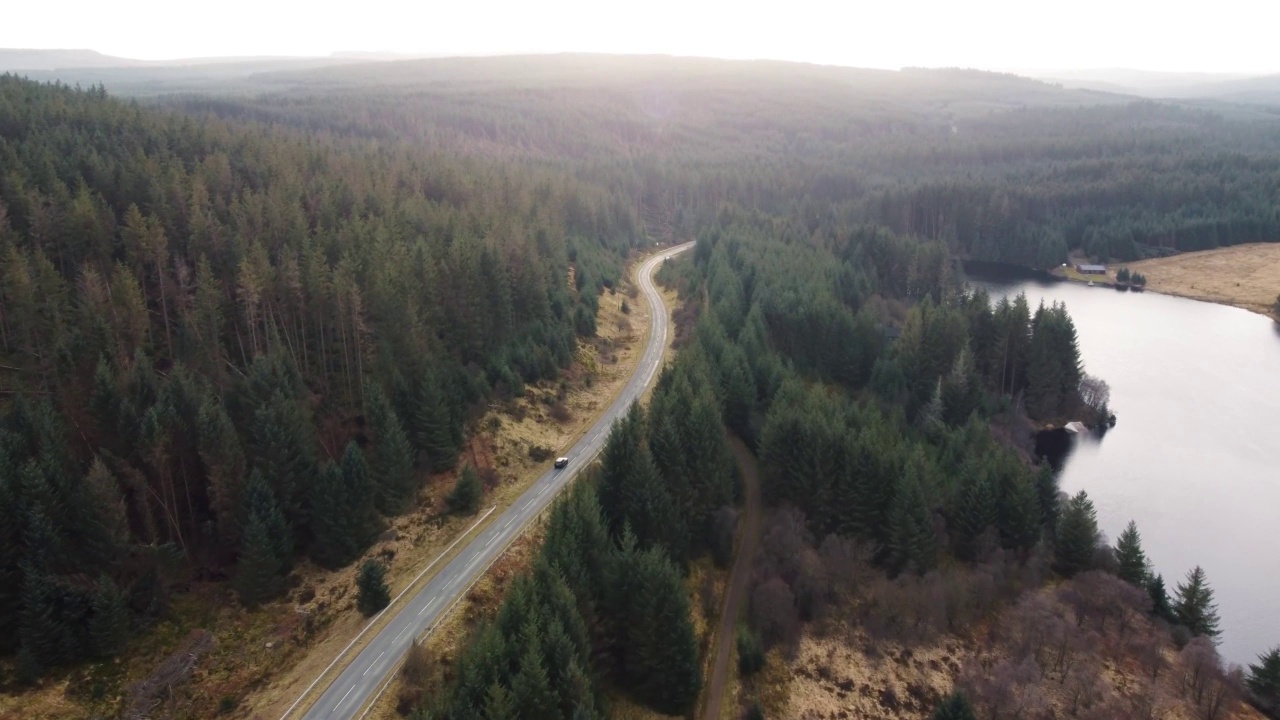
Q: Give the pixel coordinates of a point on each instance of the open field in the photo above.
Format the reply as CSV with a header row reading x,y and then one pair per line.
x,y
1246,276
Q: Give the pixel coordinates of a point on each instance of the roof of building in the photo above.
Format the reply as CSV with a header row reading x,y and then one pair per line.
x,y
1095,268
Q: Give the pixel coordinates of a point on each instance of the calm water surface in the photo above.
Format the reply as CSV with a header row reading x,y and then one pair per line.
x,y
1195,455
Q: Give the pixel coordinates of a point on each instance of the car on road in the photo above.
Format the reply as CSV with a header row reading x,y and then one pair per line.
x,y
561,462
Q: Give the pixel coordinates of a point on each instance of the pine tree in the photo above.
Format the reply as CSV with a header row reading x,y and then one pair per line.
x,y
912,545
432,430
1018,510
955,707
224,463
258,501
1264,679
661,663
392,464
374,595
1077,535
633,494
530,688
1133,565
467,492
1194,606
333,532
975,512
358,487
109,621
1160,605
257,577
284,452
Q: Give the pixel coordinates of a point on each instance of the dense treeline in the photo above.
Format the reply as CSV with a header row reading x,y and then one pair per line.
x,y
897,450
606,597
237,332
224,346
925,153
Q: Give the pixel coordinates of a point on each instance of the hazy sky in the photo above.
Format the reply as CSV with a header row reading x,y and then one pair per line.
x,y
1218,36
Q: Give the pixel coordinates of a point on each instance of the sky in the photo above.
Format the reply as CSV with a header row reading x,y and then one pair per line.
x,y
1171,35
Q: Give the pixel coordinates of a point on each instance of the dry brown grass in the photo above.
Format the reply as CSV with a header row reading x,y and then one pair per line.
x,y
841,673
1246,276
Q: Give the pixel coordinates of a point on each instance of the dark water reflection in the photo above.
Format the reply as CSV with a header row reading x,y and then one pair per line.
x,y
1195,455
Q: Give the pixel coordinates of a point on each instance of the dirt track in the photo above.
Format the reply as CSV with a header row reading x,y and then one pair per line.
x,y
736,595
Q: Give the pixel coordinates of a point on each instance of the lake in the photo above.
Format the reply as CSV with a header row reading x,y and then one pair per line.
x,y
1195,454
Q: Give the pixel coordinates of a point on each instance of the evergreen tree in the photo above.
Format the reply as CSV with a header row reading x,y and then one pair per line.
x,y
530,689
1047,492
975,512
431,423
467,492
660,664
1018,511
374,595
1194,606
351,521
955,707
1160,605
912,544
1264,680
1132,561
285,453
1077,535
109,622
257,577
392,464
258,501
632,493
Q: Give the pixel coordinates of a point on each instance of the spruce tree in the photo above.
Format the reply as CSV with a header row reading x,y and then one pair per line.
x,y
1047,492
467,492
333,531
284,452
1160,605
1194,607
975,512
358,486
109,621
1132,561
912,545
374,595
433,434
661,665
1264,680
632,493
954,707
1077,536
257,577
258,501
392,463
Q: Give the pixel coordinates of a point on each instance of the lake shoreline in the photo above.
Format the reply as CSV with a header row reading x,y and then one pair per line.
x,y
1190,462
1112,285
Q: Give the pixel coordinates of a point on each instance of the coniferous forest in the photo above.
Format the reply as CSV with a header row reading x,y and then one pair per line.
x,y
240,329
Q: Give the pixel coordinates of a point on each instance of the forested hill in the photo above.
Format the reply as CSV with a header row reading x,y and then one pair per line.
x,y
197,317
1001,167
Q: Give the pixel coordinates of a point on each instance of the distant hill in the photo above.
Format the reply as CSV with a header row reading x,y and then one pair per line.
x,y
1225,87
21,59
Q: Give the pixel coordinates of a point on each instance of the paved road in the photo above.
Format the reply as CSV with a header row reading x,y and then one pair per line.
x,y
364,677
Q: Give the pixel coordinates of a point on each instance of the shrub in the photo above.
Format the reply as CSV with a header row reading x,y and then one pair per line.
x,y
750,653
560,412
467,492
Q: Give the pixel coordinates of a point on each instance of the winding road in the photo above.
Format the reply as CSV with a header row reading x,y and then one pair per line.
x,y
369,672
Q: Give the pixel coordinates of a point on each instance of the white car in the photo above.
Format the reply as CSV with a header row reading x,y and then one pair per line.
x,y
561,462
